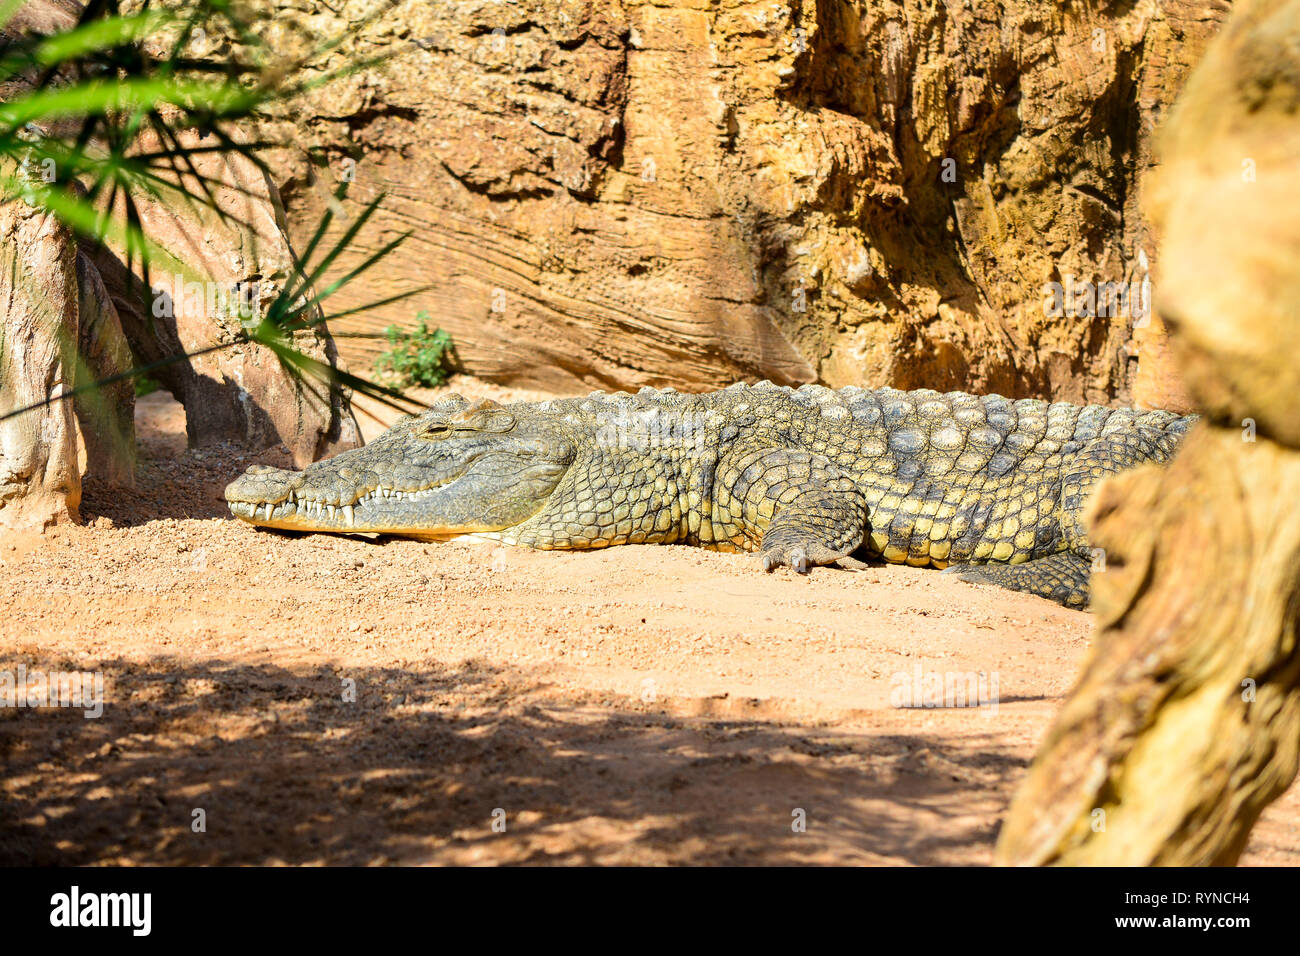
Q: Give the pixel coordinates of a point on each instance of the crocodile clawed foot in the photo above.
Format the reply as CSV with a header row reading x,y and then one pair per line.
x,y
804,557
796,558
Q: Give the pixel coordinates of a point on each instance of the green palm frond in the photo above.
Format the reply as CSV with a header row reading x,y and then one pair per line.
x,y
103,111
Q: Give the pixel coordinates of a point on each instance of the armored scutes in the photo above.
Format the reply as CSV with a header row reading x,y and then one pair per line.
x,y
804,477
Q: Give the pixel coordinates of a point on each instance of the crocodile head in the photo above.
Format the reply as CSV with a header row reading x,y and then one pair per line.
x,y
456,469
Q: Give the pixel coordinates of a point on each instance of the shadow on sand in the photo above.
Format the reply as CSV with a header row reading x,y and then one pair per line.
x,y
284,769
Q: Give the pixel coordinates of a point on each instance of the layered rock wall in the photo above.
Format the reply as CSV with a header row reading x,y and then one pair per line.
x,y
618,193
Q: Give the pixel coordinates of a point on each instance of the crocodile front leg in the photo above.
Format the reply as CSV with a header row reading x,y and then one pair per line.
x,y
799,508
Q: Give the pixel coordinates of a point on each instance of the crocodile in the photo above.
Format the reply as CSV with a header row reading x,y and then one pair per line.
x,y
987,487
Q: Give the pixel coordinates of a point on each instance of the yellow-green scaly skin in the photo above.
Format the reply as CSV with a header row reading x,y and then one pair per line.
x,y
805,476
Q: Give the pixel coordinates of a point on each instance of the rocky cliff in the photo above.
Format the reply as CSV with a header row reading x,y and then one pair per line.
x,y
618,192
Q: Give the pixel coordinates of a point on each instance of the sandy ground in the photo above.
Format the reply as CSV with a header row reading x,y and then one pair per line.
x,y
318,699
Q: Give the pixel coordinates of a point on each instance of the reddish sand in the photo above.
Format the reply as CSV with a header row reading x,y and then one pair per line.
x,y
635,705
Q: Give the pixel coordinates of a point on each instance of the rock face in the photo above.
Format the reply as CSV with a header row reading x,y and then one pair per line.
x,y
622,193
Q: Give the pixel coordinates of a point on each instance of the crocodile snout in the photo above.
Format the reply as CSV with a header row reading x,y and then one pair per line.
x,y
261,485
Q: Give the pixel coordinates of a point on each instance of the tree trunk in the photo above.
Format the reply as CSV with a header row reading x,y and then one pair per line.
x,y
1185,723
107,414
40,483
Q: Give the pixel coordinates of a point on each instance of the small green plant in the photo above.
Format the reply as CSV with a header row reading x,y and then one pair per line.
x,y
421,357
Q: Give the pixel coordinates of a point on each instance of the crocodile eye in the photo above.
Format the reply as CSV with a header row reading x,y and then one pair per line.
x,y
435,431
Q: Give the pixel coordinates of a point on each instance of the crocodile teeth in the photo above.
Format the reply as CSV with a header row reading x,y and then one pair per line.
x,y
315,508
